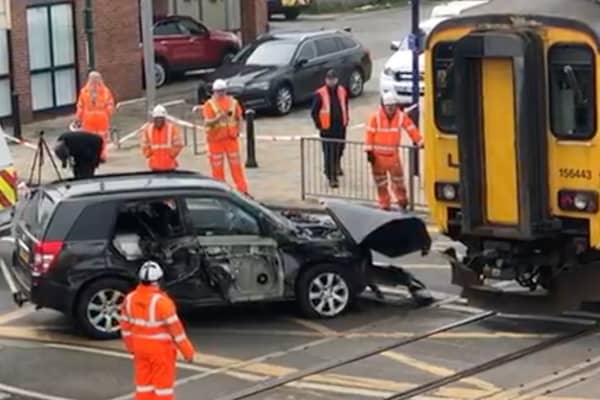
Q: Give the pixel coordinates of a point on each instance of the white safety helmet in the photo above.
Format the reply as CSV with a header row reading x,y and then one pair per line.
x,y
389,99
150,272
159,112
219,85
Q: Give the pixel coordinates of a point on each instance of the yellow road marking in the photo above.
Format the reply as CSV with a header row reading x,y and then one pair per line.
x,y
437,370
16,314
315,326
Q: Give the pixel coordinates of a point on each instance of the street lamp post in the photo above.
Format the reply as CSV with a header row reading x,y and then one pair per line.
x,y
89,33
148,47
416,50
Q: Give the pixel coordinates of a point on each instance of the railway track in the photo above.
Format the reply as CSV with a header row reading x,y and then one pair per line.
x,y
588,368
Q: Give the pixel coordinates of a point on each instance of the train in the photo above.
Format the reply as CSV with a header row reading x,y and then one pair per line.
x,y
512,152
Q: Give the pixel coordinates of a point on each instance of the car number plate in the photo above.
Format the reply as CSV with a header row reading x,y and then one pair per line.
x,y
23,254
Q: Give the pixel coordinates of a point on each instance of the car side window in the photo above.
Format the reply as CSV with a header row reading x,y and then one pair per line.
x,y
219,217
167,29
307,52
192,28
326,46
345,43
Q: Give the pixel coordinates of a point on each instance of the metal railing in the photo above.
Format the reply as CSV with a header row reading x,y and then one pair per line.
x,y
357,181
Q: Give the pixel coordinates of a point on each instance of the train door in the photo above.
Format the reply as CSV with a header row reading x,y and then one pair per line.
x,y
500,102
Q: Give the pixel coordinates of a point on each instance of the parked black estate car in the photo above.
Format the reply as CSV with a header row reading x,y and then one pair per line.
x,y
282,69
79,245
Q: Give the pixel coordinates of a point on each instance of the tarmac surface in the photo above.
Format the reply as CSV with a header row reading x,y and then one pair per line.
x,y
384,348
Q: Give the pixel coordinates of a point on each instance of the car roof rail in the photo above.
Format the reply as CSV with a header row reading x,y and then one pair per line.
x,y
348,29
135,174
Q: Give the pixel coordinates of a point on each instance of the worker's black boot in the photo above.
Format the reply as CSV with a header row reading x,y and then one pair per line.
x,y
420,295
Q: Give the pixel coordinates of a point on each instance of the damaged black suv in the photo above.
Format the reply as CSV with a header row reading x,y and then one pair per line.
x,y
79,244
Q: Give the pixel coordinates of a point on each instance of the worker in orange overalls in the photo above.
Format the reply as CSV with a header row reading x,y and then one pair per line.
x,y
222,120
153,333
95,107
383,139
161,142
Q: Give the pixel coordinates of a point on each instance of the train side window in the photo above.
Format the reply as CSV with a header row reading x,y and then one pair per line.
x,y
572,91
443,86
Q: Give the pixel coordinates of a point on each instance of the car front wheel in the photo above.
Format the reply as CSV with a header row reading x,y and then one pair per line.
x,y
356,84
98,308
324,291
284,100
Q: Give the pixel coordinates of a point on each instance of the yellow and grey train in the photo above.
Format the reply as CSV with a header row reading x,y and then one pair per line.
x,y
512,152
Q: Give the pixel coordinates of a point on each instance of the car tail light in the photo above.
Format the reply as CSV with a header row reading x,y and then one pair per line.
x,y
578,201
447,191
45,255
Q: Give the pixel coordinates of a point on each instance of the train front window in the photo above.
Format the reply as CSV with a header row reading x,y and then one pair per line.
x,y
443,86
572,91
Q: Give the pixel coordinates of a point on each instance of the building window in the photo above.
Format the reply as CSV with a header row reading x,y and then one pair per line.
x,y
572,91
52,56
5,107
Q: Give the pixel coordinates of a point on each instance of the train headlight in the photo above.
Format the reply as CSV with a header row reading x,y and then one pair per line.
x,y
447,191
578,201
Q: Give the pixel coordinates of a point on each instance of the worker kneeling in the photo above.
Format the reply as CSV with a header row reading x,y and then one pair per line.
x,y
153,333
161,142
383,139
222,118
82,150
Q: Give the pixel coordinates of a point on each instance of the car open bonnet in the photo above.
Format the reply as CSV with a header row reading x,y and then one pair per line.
x,y
392,234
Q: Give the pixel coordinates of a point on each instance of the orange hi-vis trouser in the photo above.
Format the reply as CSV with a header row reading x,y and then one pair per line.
x,y
227,148
389,164
155,374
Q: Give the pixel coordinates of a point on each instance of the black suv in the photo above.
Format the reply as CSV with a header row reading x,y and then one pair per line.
x,y
79,245
279,70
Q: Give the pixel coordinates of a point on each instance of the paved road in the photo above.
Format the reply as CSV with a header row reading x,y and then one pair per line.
x,y
43,357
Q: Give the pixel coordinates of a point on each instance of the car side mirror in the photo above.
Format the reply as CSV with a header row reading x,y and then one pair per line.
x,y
301,62
395,45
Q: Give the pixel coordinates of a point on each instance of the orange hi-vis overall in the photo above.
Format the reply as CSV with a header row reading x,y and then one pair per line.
x,y
152,332
383,138
95,107
222,137
161,147
325,112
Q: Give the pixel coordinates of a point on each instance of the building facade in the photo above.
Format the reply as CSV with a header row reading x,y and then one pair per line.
x,y
44,57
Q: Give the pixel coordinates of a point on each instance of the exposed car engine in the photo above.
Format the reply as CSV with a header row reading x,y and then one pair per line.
x,y
313,226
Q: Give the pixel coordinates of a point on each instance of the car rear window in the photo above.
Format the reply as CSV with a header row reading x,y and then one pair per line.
x,y
95,222
347,42
37,213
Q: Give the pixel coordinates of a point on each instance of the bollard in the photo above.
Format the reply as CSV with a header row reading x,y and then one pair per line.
x,y
250,142
412,152
16,116
416,161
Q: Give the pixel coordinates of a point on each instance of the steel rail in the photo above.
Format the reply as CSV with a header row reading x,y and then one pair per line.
x,y
494,363
320,368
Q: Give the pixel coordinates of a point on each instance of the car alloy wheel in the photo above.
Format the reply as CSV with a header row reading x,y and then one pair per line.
x,y
328,294
160,74
103,310
357,83
284,100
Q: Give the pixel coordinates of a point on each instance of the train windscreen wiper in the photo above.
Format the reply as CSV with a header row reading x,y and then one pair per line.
x,y
574,85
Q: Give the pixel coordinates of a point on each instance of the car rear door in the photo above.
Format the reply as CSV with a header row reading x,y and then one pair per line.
x,y
200,50
242,263
327,49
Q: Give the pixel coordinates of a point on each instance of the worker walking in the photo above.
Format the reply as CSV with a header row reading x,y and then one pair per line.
x,y
153,333
161,142
95,107
222,119
383,139
82,149
330,115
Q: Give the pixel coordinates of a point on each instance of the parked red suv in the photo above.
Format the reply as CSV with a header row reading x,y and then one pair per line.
x,y
182,44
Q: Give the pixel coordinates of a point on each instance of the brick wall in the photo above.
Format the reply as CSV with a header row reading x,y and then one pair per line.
x,y
254,19
118,54
117,38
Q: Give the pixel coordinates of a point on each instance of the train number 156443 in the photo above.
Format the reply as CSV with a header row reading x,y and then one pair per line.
x,y
572,173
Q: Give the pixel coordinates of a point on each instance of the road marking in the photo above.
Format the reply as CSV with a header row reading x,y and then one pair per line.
x,y
437,370
16,314
315,326
7,239
22,392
